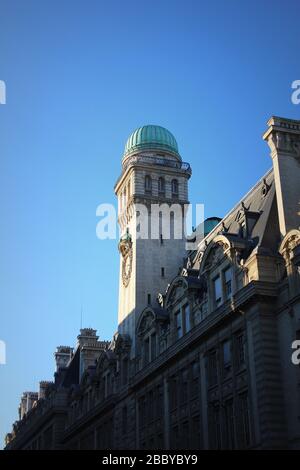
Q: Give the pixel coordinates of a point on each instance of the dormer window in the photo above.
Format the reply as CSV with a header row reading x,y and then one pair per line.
x,y
178,323
148,184
161,186
146,350
217,291
150,349
153,346
222,286
227,283
175,190
183,321
186,314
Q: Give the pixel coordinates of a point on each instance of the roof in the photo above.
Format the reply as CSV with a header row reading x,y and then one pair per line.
x,y
253,219
151,137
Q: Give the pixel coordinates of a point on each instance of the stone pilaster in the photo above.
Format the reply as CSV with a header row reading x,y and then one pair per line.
x,y
283,138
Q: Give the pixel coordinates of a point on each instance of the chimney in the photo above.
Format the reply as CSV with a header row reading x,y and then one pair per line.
x,y
62,356
283,138
87,337
90,348
27,401
43,387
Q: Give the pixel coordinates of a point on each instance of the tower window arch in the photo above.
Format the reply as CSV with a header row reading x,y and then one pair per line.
x,y
148,184
161,185
175,188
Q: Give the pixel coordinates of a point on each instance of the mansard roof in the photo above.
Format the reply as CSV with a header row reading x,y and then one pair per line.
x,y
257,213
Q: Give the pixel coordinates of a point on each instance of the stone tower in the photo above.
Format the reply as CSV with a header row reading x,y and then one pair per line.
x,y
283,137
152,192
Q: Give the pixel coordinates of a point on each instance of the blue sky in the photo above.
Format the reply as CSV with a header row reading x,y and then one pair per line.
x,y
80,77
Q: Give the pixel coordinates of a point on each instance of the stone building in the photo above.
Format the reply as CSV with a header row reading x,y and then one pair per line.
x,y
202,355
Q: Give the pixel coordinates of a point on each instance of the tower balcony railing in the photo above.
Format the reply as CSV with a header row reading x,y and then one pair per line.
x,y
155,160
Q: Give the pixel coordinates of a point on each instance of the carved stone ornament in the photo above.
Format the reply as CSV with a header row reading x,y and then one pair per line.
x,y
161,299
285,142
125,248
217,255
146,323
290,242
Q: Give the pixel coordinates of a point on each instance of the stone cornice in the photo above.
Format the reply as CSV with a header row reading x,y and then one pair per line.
x,y
283,136
150,164
29,429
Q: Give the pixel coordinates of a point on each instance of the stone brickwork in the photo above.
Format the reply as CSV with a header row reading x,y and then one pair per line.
x,y
208,364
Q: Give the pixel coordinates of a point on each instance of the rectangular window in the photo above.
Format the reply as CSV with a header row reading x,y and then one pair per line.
x,y
150,406
178,318
227,283
124,371
142,411
195,435
240,350
226,351
244,421
195,379
162,272
187,317
184,387
229,425
173,390
184,441
217,291
146,351
214,427
212,368
148,184
153,346
149,299
159,401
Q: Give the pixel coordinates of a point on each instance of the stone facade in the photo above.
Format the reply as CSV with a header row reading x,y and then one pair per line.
x,y
208,365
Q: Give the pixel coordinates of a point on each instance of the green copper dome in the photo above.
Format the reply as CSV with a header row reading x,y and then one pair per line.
x,y
151,138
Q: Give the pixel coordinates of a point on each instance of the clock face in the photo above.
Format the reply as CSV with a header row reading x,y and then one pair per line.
x,y
125,249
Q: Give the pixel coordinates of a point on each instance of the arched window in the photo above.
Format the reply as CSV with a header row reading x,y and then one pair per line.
x,y
174,188
148,184
161,185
